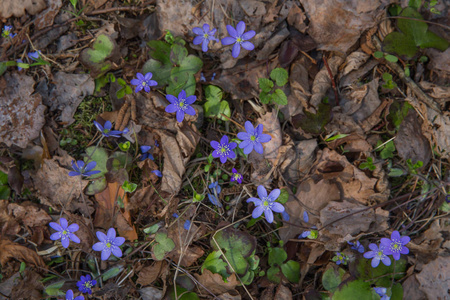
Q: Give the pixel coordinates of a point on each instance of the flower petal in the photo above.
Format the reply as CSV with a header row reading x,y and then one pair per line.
x,y
182,95
386,261
256,201
395,235
405,240
231,31
249,148
232,145
191,99
277,207
101,236
152,83
240,28
245,143
98,246
259,148
140,76
74,238
56,236
236,50
135,81
180,116
56,226
106,253
375,262
91,165
91,173
396,255
171,98
63,222
197,30
215,154
65,242
269,215
257,212
264,138
190,111
214,144
232,155
145,149
118,241
205,27
404,250
247,46
243,136
223,159
108,125
205,45
274,194
116,251
249,128
111,235
148,76
262,193
228,41
248,35
73,227
171,108
373,247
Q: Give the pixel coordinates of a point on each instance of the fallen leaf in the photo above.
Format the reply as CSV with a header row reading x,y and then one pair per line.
x,y
17,9
353,62
21,111
283,293
29,214
7,285
149,274
411,289
29,286
439,271
10,250
151,293
271,127
322,81
299,160
296,18
215,283
272,43
361,101
8,224
46,18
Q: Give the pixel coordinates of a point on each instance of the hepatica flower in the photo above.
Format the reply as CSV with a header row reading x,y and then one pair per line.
x,y
65,232
357,246
238,38
107,130
7,32
204,36
34,55
237,177
396,245
253,138
224,149
85,284
266,204
215,189
310,234
83,170
340,258
69,296
157,173
145,153
377,255
143,82
108,244
381,291
181,105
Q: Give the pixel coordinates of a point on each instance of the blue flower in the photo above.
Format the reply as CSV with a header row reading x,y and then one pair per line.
x,y
266,204
69,296
223,149
358,247
377,255
236,176
143,82
109,244
7,31
396,245
106,130
238,38
310,234
253,138
145,154
187,224
213,199
64,232
85,284
175,215
156,143
157,173
381,291
34,55
340,258
204,36
180,105
215,189
19,67
285,216
81,169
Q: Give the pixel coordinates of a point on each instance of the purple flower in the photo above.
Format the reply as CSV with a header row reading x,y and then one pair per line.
x,y
85,284
213,199
106,130
81,169
181,106
175,215
377,255
381,291
216,189
358,247
285,216
109,244
223,149
266,204
396,245
64,232
34,55
253,138
187,224
7,32
69,296
236,176
204,36
238,38
340,258
145,154
143,82
157,173
156,143
310,234
19,67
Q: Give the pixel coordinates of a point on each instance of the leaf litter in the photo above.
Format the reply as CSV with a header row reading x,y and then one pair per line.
x,y
360,156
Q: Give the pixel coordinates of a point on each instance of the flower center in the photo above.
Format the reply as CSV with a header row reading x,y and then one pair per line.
x,y
88,284
266,203
108,244
252,138
182,104
64,232
239,40
224,150
106,130
205,35
380,253
144,83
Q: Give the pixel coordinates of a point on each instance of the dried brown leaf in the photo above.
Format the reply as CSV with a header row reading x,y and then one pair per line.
x,y
272,127
17,9
29,214
10,250
215,283
29,286
283,293
8,224
439,271
46,18
322,82
21,111
149,274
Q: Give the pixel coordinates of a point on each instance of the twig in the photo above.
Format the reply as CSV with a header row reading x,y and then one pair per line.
x,y
333,84
125,8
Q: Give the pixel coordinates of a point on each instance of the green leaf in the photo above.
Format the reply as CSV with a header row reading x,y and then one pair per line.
x,y
273,274
357,289
395,172
279,97
101,49
397,292
387,77
3,178
378,54
291,269
215,264
191,64
120,93
161,72
5,192
284,196
96,186
280,76
112,272
179,77
336,137
125,146
265,97
413,34
160,51
214,108
332,278
163,245
53,289
415,4
178,54
152,229
213,93
277,256
265,84
3,68
129,187
388,150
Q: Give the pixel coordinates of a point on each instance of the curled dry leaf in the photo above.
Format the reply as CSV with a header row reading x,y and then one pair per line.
x,y
10,250
29,214
29,286
21,111
8,224
353,62
439,271
215,283
46,18
361,101
322,82
149,274
17,9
